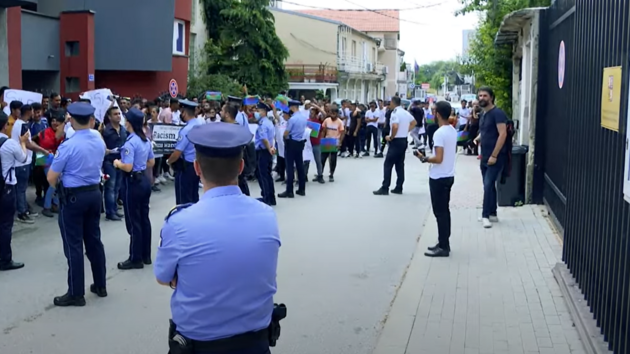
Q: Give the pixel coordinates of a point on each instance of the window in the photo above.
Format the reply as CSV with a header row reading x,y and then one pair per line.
x,y
179,38
354,49
72,84
72,49
343,47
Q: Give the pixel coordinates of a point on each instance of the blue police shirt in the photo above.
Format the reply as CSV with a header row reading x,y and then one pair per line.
x,y
266,131
136,152
224,250
296,126
183,144
79,159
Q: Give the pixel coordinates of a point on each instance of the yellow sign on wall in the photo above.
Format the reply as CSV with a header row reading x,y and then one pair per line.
x,y
611,98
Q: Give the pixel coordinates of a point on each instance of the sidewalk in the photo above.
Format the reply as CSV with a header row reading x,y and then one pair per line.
x,y
495,294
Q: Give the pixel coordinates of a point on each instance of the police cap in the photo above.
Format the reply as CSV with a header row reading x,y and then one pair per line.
x,y
135,117
220,140
263,105
80,110
234,99
188,104
294,103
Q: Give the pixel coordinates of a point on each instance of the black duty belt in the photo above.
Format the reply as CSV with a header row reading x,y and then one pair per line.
x,y
92,187
135,174
237,342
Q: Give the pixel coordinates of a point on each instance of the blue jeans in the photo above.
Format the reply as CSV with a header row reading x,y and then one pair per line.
x,y
490,175
112,188
22,174
50,194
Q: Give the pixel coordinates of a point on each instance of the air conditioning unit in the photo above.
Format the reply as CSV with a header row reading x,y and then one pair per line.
x,y
369,67
386,70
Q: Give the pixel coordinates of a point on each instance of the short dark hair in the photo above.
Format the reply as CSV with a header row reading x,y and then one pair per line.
x,y
487,90
25,108
232,110
15,105
173,101
86,100
443,110
36,106
4,119
82,120
464,101
396,100
220,171
53,95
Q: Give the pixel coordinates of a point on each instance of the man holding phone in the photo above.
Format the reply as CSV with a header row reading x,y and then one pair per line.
x,y
23,170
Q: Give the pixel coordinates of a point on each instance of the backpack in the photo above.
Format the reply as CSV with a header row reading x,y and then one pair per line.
x,y
2,180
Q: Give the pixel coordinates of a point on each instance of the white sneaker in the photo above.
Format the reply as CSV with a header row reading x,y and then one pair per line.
x,y
486,223
162,179
494,218
168,175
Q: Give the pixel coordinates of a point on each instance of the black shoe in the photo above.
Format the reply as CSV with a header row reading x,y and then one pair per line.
x,y
319,180
280,179
11,265
286,195
380,154
47,213
366,154
302,193
120,215
331,179
113,218
128,264
272,203
438,252
381,191
155,188
67,300
100,292
437,246
119,202
396,191
147,261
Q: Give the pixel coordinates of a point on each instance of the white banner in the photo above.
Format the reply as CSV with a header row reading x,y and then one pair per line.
x,y
26,97
100,102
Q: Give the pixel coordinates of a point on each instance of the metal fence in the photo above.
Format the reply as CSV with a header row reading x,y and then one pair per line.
x,y
583,162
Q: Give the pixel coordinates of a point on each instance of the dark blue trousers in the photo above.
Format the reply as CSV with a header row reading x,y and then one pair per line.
x,y
263,174
79,223
295,160
7,205
136,194
260,348
186,185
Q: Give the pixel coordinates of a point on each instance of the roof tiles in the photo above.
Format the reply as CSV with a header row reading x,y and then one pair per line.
x,y
362,20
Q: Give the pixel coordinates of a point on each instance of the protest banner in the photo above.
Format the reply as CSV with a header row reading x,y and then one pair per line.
x,y
26,97
165,137
100,100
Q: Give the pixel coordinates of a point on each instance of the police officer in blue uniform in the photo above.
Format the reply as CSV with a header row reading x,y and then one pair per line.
x,y
293,147
232,114
136,156
186,180
11,153
224,280
78,161
264,153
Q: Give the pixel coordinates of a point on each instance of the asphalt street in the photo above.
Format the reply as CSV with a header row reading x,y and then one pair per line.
x,y
343,256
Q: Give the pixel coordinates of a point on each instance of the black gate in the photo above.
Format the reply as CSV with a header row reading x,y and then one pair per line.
x,y
584,162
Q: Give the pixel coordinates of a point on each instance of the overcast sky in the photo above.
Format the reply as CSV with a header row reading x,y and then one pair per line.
x,y
426,35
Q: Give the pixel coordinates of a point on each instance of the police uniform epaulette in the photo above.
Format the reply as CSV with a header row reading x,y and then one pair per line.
x,y
176,209
129,137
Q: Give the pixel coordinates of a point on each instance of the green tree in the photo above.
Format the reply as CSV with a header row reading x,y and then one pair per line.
x,y
434,73
200,81
242,43
491,65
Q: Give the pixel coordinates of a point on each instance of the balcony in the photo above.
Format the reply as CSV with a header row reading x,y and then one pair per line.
x,y
402,76
390,43
354,65
312,73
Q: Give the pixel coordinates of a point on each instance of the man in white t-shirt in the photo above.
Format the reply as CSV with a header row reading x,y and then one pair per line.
x,y
371,117
463,116
401,123
442,177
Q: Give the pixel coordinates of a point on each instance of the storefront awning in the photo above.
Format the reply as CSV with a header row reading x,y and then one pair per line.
x,y
513,23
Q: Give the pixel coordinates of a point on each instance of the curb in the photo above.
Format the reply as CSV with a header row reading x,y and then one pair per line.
x,y
581,314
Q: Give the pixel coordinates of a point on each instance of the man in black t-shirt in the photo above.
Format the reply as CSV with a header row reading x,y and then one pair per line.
x,y
492,136
418,115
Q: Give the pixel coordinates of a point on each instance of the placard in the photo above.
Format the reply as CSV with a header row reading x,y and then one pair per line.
x,y
611,98
165,137
26,97
98,99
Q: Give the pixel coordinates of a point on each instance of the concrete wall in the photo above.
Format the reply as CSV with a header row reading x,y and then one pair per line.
x,y
40,42
198,33
309,41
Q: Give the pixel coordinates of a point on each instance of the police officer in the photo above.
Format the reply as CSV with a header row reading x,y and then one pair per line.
x,y
232,113
11,153
78,161
264,154
186,180
294,146
136,156
224,280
